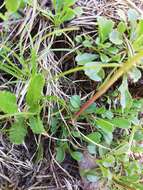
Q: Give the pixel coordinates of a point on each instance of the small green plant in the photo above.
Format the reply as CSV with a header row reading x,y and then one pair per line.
x,y
13,5
113,128
110,41
63,11
9,106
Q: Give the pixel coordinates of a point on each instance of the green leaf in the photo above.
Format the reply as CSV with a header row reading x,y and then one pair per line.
x,y
78,11
87,43
69,15
95,136
121,123
105,125
58,4
116,37
91,148
92,178
76,155
135,74
106,173
85,58
104,58
138,136
35,89
126,98
116,58
69,3
12,5
138,36
133,15
113,50
105,28
108,137
8,102
121,27
139,30
92,70
17,132
108,114
91,109
75,101
60,154
36,125
109,161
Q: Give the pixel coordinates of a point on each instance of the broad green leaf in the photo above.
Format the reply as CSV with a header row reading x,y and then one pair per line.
x,y
78,38
92,178
69,3
95,136
92,70
91,148
60,154
8,102
105,125
106,173
58,4
76,155
108,137
78,11
69,15
135,74
23,3
36,125
113,50
126,98
17,132
109,161
138,136
138,36
91,109
121,27
75,101
108,114
35,89
12,5
105,28
116,58
85,58
116,37
132,15
76,134
104,58
121,123
139,30
87,43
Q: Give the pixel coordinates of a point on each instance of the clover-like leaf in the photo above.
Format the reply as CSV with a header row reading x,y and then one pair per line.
x,y
85,58
105,28
116,37
92,70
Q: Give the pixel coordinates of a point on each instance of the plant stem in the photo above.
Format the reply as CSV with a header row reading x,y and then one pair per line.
x,y
122,70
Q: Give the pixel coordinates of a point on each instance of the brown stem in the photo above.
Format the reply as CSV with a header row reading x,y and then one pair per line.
x,y
124,69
